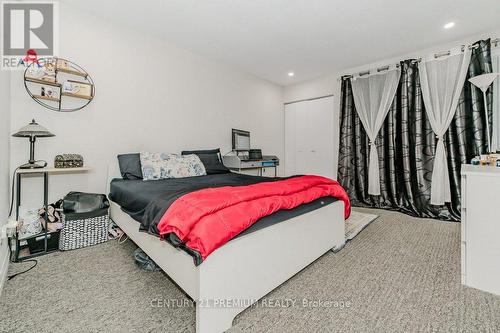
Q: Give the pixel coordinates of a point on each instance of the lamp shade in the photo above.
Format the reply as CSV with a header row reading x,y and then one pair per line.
x,y
483,81
33,129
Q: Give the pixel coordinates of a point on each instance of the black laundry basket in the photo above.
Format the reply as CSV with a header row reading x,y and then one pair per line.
x,y
85,220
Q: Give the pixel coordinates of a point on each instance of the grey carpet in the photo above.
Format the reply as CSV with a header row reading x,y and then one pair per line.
x,y
400,274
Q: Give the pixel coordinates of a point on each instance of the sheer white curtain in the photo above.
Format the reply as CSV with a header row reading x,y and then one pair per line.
x,y
442,82
495,141
373,97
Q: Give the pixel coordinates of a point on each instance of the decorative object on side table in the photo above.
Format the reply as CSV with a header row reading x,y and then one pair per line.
x,y
68,161
32,131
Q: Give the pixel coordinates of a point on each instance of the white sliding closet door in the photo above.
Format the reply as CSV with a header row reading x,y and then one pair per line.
x,y
309,138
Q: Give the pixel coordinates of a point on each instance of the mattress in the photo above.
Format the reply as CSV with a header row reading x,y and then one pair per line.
x,y
147,201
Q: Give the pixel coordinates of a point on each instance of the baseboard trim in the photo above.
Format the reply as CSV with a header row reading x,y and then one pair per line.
x,y
4,264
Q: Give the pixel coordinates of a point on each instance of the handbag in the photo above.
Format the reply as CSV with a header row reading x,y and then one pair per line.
x,y
53,216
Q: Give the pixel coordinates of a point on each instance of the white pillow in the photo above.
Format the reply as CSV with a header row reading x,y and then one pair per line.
x,y
161,166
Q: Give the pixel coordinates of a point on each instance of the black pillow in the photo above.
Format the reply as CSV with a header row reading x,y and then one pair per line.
x,y
130,166
211,160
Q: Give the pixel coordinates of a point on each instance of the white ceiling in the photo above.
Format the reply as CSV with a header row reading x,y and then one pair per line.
x,y
312,38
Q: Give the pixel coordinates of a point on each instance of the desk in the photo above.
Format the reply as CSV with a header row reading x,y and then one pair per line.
x,y
45,172
240,164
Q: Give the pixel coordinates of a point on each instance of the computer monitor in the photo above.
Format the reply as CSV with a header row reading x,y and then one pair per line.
x,y
241,140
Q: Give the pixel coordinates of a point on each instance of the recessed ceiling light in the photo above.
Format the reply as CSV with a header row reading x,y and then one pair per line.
x,y
290,74
449,25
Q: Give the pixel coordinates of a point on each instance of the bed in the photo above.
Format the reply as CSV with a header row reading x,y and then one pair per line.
x,y
247,267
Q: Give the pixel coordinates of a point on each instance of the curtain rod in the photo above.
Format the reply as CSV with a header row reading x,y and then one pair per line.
x,y
493,42
379,69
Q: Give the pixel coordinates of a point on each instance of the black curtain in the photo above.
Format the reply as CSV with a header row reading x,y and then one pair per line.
x,y
406,144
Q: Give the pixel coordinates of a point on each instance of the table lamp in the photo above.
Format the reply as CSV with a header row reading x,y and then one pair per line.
x,y
483,82
32,131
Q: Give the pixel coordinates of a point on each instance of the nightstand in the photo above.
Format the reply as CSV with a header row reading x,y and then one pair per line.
x,y
45,172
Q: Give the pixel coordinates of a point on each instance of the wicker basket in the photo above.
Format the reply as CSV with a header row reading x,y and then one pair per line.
x,y
84,229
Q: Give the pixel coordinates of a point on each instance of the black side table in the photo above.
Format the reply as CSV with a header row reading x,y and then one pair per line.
x,y
45,234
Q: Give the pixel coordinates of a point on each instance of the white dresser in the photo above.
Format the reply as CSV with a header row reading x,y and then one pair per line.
x,y
481,227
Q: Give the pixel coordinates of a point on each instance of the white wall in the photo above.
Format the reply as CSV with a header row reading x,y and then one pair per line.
x,y
330,84
4,167
149,96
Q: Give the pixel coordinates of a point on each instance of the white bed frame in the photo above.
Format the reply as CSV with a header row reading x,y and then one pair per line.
x,y
246,268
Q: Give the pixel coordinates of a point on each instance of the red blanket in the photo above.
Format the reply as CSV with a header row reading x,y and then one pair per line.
x,y
206,219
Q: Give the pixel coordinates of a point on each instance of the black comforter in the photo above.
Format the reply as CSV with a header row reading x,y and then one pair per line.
x,y
147,201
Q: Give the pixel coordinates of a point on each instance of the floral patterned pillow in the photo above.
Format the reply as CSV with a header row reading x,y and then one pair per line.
x,y
161,166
